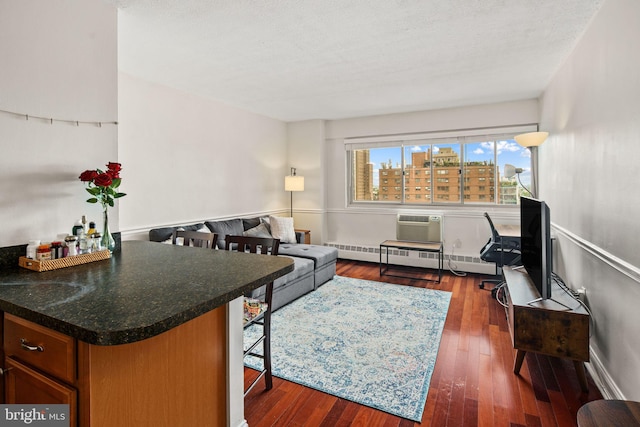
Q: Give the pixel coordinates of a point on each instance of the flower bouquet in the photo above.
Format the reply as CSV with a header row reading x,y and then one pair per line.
x,y
103,186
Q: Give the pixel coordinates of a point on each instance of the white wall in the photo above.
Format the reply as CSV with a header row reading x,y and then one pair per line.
x,y
186,158
359,225
59,60
588,175
306,152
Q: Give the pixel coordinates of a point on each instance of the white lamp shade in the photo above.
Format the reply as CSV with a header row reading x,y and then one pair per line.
x,y
294,183
531,139
510,171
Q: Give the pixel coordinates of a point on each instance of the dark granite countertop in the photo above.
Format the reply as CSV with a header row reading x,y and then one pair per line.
x,y
145,289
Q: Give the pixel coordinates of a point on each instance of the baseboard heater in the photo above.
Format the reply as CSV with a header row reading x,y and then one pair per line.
x,y
372,253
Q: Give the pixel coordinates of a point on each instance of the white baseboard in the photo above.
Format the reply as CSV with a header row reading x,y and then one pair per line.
x,y
602,379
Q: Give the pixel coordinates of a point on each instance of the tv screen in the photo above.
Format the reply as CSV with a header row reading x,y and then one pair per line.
x,y
535,241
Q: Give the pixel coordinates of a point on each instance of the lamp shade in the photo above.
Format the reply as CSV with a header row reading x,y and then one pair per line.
x,y
510,171
531,139
294,183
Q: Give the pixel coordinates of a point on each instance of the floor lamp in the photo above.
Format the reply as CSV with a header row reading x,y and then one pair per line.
x,y
531,141
293,183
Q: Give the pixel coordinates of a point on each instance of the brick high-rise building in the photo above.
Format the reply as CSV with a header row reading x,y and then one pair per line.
x,y
363,176
444,186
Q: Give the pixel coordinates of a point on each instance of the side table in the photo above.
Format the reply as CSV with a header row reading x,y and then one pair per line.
x,y
306,234
609,413
435,247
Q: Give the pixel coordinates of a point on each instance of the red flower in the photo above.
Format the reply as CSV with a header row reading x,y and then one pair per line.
x,y
88,176
103,185
114,169
103,180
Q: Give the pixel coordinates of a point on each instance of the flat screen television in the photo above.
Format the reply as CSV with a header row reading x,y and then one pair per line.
x,y
535,242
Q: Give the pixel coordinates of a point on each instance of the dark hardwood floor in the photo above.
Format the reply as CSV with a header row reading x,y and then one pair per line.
x,y
473,383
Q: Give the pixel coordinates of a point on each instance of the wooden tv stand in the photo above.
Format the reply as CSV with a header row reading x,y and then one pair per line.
x,y
546,327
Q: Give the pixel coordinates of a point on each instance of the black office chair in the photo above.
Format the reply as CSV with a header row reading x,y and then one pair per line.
x,y
501,250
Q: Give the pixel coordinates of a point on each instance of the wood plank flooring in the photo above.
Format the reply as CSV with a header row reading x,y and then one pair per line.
x,y
473,383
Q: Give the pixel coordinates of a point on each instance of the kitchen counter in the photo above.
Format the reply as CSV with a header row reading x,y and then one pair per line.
x,y
144,290
156,334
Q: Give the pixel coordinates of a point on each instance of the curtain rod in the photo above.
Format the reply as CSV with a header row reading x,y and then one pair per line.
x,y
51,120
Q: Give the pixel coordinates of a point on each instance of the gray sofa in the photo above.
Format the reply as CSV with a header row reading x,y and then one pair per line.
x,y
314,265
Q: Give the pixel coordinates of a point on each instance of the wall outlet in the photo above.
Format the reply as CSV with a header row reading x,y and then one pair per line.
x,y
457,244
582,293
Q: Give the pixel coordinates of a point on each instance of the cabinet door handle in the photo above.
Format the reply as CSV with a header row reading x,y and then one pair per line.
x,y
28,347
4,371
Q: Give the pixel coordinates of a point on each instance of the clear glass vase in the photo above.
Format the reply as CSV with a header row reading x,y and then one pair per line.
x,y
108,242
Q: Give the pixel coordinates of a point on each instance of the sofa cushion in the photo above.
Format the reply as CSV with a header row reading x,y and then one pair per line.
x,y
321,255
259,231
282,228
301,267
249,223
165,233
233,227
291,286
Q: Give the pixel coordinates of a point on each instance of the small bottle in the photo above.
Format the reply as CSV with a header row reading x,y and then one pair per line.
x,y
76,228
32,247
96,242
92,228
83,238
54,250
72,249
43,252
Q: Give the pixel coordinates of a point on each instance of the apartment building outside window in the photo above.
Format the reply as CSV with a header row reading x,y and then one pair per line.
x,y
467,172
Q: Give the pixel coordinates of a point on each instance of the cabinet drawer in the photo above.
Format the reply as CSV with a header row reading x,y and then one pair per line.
x,y
43,348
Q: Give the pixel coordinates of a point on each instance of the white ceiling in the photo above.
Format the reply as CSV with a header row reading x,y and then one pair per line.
x,y
330,59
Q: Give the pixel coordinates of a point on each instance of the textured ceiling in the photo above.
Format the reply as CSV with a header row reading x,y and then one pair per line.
x,y
329,59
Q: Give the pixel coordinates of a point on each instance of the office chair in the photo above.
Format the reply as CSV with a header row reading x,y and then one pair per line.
x,y
501,250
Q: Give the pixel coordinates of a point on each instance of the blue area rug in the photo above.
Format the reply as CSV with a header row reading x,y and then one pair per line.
x,y
369,342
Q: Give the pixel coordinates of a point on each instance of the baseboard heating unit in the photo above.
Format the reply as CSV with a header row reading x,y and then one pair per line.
x,y
371,253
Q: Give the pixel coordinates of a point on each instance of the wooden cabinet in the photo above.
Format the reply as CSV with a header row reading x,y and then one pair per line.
x,y
556,327
39,365
175,378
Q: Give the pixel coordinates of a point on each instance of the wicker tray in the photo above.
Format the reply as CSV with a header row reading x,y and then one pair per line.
x,y
70,261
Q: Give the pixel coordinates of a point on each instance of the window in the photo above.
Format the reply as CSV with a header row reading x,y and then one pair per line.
x,y
468,170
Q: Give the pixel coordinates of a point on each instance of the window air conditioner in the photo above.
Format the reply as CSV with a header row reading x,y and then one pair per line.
x,y
419,228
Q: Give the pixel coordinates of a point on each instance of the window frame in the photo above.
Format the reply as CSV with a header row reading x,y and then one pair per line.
x,y
429,199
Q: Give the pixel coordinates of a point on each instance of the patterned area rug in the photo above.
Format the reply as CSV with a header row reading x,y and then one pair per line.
x,y
369,342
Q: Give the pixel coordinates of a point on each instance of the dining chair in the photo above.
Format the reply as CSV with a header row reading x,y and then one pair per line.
x,y
195,238
266,246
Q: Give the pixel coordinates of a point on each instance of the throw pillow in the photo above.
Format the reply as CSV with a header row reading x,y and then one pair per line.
x,y
282,228
222,228
259,231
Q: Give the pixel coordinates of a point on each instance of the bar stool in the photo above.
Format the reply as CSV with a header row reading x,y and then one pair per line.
x,y
267,246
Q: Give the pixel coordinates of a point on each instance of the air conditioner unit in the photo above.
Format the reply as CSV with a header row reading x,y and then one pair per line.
x,y
419,228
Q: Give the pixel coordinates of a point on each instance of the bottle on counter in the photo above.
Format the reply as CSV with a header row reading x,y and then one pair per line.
x,y
72,248
32,248
96,242
43,252
56,250
83,238
76,228
92,229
